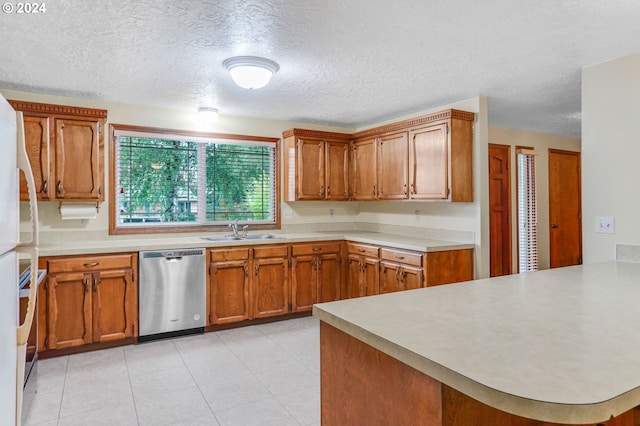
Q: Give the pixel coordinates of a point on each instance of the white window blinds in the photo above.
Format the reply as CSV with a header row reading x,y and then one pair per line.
x,y
527,211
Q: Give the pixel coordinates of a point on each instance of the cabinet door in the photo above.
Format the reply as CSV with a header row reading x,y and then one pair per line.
x,y
370,276
337,171
229,291
354,277
393,166
310,176
410,277
36,133
114,305
270,287
329,277
364,169
78,174
429,163
69,321
304,278
389,281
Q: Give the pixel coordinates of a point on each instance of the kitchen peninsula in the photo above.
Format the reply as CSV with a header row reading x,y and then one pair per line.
x,y
552,347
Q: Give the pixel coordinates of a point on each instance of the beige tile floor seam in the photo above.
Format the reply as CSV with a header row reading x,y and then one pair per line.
x,y
265,374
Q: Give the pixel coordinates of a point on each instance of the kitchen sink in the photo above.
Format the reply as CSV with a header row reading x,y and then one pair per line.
x,y
261,237
246,237
224,238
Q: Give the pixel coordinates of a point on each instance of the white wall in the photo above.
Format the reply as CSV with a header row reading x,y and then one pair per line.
x,y
541,142
610,153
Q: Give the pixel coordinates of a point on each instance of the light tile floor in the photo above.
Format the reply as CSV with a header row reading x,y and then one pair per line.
x,y
265,374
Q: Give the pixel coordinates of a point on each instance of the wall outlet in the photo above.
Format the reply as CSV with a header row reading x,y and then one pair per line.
x,y
417,213
605,225
288,213
331,213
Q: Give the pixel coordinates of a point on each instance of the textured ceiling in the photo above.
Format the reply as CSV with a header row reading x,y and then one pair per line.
x,y
345,63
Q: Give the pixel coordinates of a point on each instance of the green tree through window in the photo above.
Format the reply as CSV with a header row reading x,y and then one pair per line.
x,y
163,180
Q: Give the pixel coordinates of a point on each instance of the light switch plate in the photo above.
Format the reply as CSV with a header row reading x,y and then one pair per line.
x,y
288,213
605,225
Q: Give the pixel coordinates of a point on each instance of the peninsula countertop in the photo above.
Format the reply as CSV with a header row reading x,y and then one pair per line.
x,y
559,345
164,242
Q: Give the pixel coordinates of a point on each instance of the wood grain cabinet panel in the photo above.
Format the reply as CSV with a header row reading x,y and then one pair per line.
x,y
90,306
316,274
316,165
38,146
270,287
65,146
393,166
364,176
363,269
229,291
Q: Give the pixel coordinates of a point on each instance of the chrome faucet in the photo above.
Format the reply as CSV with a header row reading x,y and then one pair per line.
x,y
234,228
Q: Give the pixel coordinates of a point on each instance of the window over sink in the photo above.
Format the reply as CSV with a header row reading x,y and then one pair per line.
x,y
180,181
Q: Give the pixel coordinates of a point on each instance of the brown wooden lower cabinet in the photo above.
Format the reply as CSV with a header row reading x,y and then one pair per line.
x,y
363,270
270,285
316,274
89,299
229,285
361,385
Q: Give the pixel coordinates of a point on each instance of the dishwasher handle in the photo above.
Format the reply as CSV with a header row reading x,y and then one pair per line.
x,y
173,258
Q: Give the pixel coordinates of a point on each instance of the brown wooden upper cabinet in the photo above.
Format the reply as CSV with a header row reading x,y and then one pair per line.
x,y
65,146
316,165
428,158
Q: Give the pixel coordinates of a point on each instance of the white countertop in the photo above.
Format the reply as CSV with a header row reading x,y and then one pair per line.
x,y
560,345
145,242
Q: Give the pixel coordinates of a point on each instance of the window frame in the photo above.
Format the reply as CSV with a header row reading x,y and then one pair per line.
x,y
116,229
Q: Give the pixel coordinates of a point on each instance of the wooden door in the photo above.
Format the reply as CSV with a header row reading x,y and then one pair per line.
x,y
36,133
393,170
565,212
114,303
337,170
78,160
354,277
304,277
310,176
229,291
429,163
499,210
69,321
329,277
270,287
363,170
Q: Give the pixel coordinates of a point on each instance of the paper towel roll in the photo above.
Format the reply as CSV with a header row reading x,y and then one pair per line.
x,y
78,211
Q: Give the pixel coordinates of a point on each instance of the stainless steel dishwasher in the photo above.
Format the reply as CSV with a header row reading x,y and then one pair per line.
x,y
172,293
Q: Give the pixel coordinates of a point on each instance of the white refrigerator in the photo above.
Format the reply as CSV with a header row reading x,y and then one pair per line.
x,y
13,335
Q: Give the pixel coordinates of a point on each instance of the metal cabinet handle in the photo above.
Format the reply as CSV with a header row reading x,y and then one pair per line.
x,y
400,257
90,265
59,188
328,190
45,187
322,190
361,250
96,283
316,248
374,190
256,267
246,271
554,226
86,285
404,189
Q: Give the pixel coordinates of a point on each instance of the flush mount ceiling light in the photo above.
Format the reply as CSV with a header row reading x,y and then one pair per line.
x,y
208,113
251,72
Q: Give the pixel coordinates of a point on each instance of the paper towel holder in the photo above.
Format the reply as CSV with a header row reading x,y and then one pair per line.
x,y
97,207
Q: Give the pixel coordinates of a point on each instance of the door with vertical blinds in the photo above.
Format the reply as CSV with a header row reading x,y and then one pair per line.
x,y
527,211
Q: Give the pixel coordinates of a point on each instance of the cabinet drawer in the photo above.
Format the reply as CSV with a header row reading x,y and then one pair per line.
x,y
319,248
89,263
270,251
224,255
363,249
401,256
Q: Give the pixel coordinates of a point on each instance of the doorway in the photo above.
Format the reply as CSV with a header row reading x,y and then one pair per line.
x,y
499,210
565,211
